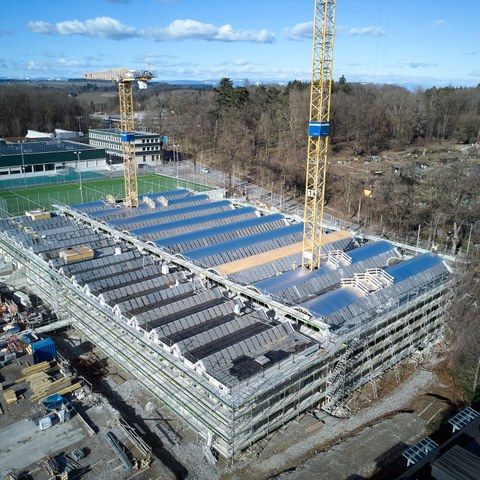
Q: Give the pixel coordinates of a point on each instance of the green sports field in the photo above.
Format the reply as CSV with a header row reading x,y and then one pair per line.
x,y
16,202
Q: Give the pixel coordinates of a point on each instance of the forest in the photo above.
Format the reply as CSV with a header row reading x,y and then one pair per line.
x,y
416,153
259,133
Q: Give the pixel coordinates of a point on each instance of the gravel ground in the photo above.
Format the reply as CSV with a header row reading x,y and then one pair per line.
x,y
274,459
295,447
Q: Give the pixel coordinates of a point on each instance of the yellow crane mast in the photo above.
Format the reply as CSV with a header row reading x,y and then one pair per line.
x,y
318,130
125,79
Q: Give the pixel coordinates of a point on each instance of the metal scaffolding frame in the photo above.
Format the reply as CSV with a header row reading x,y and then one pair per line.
x,y
234,420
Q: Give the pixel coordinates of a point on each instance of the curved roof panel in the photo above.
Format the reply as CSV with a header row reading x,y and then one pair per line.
x,y
370,250
165,213
238,243
222,229
217,216
414,266
332,301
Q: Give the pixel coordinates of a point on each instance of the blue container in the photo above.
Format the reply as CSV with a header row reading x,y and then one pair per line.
x,y
44,350
128,137
319,129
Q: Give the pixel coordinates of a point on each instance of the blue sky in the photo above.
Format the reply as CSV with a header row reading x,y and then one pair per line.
x,y
407,42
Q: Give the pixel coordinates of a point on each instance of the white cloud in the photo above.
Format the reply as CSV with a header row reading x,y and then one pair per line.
x,y
36,66
107,27
439,23
186,29
412,64
104,27
72,63
367,31
41,27
299,31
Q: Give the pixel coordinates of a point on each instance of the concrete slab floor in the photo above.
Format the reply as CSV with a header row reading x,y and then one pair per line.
x,y
22,443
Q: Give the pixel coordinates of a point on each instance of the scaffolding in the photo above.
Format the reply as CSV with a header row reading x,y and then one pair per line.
x,y
235,416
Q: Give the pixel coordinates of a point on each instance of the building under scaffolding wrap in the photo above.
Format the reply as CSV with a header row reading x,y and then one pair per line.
x,y
204,303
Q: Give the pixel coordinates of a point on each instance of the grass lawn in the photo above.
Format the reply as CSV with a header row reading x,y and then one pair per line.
x,y
15,202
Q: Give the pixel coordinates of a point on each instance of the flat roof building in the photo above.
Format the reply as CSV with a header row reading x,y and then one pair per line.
x,y
148,146
48,156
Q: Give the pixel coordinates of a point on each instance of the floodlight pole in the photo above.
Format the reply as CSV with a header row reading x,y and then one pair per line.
x,y
79,175
23,166
175,151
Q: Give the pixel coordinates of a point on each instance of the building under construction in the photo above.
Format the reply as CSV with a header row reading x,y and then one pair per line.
x,y
206,304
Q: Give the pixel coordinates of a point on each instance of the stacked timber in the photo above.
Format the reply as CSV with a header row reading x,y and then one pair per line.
x,y
42,385
42,389
10,396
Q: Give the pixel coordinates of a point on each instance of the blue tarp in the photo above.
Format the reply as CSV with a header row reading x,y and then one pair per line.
x,y
53,401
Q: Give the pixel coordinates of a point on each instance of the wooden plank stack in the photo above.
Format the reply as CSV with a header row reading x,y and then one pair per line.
x,y
10,396
42,385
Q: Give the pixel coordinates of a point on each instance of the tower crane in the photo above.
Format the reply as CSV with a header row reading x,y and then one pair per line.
x,y
125,79
318,130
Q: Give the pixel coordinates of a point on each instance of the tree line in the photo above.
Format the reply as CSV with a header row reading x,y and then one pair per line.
x,y
259,133
32,108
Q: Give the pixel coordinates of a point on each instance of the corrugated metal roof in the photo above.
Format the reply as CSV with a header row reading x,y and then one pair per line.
x,y
213,250
413,266
332,301
242,228
165,213
193,222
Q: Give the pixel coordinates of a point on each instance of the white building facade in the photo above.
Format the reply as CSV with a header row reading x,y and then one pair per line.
x,y
148,146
